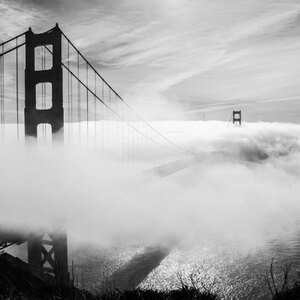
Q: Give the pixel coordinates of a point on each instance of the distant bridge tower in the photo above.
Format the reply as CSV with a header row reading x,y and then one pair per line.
x,y
237,117
47,252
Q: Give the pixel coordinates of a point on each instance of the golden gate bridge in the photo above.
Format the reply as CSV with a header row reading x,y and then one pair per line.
x,y
50,91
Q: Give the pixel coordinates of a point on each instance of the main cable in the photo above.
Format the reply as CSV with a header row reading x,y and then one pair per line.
x,y
107,106
120,98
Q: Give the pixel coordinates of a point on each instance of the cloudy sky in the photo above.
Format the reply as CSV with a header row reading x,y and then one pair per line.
x,y
182,59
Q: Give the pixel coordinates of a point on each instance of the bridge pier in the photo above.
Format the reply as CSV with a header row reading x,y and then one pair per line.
x,y
49,253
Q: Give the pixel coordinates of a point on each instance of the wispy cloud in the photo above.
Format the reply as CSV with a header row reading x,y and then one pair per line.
x,y
168,55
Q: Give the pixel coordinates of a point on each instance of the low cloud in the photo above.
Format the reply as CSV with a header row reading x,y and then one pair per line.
x,y
242,186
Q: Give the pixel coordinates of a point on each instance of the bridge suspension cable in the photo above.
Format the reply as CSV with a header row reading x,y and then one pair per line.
x,y
119,98
88,97
80,82
10,82
12,39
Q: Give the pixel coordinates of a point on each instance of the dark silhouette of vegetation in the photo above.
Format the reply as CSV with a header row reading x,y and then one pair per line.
x,y
136,294
283,290
292,293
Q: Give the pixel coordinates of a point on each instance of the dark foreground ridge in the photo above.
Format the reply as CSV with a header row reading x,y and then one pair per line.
x,y
18,280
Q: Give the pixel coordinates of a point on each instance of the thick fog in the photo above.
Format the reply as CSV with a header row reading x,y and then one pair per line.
x,y
240,187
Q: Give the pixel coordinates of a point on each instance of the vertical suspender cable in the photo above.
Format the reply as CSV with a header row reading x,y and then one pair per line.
x,y
69,114
71,98
95,109
128,145
103,138
87,103
120,133
1,87
3,98
79,114
2,94
110,125
133,146
117,138
17,88
71,107
113,126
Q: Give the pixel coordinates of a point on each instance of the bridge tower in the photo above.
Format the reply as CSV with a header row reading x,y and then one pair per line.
x,y
47,252
54,115
237,117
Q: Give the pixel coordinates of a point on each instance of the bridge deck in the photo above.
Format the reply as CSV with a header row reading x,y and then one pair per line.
x,y
13,236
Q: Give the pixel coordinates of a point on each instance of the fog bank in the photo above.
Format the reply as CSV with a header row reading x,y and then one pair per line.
x,y
243,186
